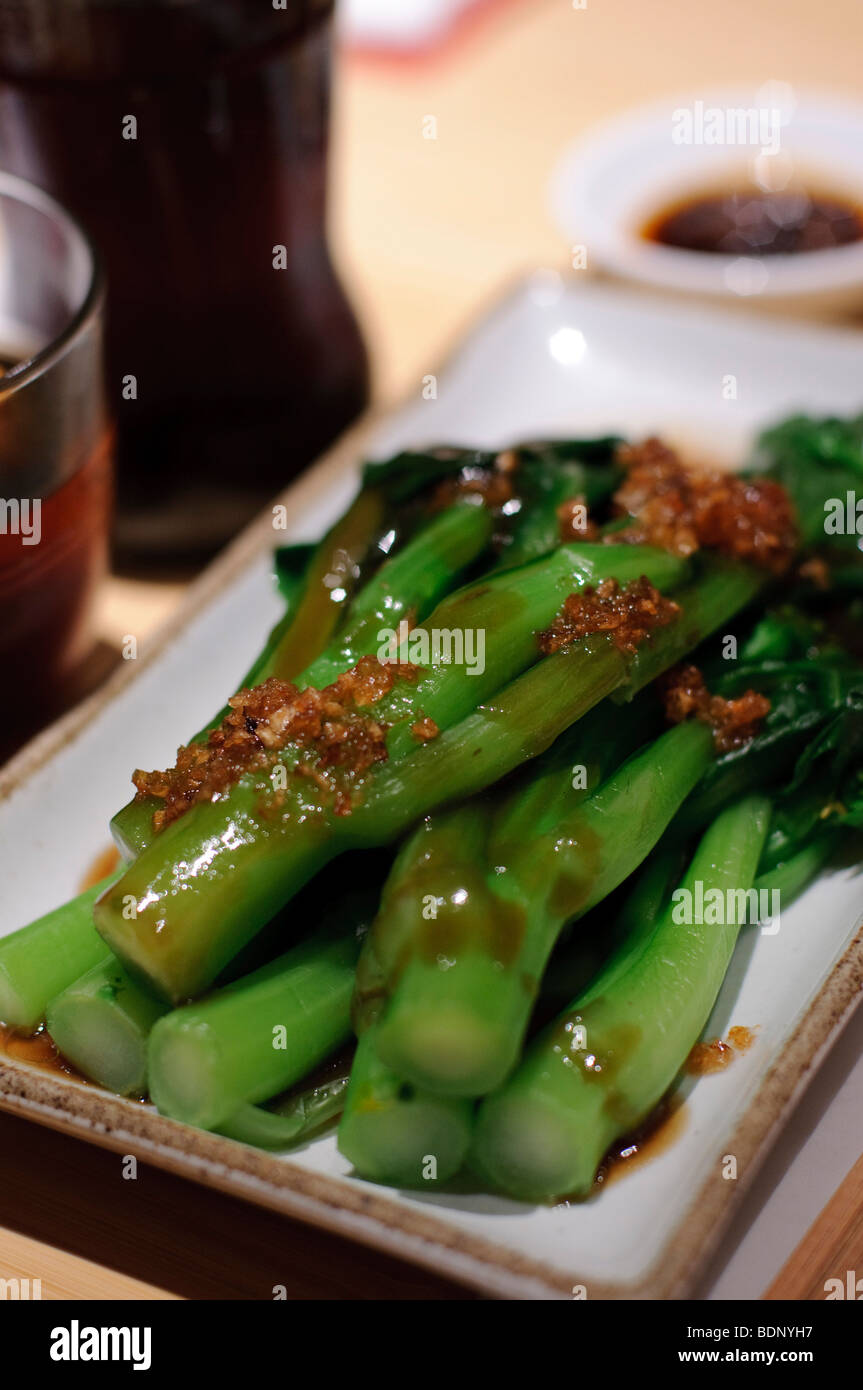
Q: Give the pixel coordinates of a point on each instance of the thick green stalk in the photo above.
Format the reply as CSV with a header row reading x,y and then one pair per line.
x,y
415,578
789,877
102,1023
40,960
579,958
393,1133
340,556
573,767
461,1002
391,1129
448,970
132,826
256,1037
406,586
213,877
448,852
438,868
721,589
605,1062
495,622
315,605
285,1124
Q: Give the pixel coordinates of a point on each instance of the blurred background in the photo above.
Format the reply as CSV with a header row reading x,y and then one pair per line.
x,y
426,233
447,119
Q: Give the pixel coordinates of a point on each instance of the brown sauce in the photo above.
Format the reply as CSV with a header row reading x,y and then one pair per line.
x,y
102,865
579,863
668,1120
751,222
715,1055
660,1130
479,921
601,1064
37,1050
708,1057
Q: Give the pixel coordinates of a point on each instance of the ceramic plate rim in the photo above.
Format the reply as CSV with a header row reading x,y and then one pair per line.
x,y
356,1210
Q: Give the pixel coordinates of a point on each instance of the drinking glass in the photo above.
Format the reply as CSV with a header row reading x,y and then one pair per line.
x,y
55,455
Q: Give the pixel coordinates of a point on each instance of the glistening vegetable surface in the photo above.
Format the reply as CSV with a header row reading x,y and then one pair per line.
x,y
609,1058
492,708
258,843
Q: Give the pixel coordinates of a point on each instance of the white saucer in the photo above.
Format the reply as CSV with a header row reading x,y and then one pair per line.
x,y
612,182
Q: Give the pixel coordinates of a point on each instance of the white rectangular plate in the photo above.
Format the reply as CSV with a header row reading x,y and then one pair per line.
x,y
552,359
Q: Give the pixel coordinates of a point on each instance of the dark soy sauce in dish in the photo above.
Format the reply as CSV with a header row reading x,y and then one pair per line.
x,y
752,222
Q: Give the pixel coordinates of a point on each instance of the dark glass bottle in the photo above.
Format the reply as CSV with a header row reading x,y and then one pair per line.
x,y
190,138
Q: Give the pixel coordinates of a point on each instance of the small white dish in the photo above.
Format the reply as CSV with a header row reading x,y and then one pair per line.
x,y
612,183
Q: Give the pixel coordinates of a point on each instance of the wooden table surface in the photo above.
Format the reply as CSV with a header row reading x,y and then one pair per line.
x,y
426,232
